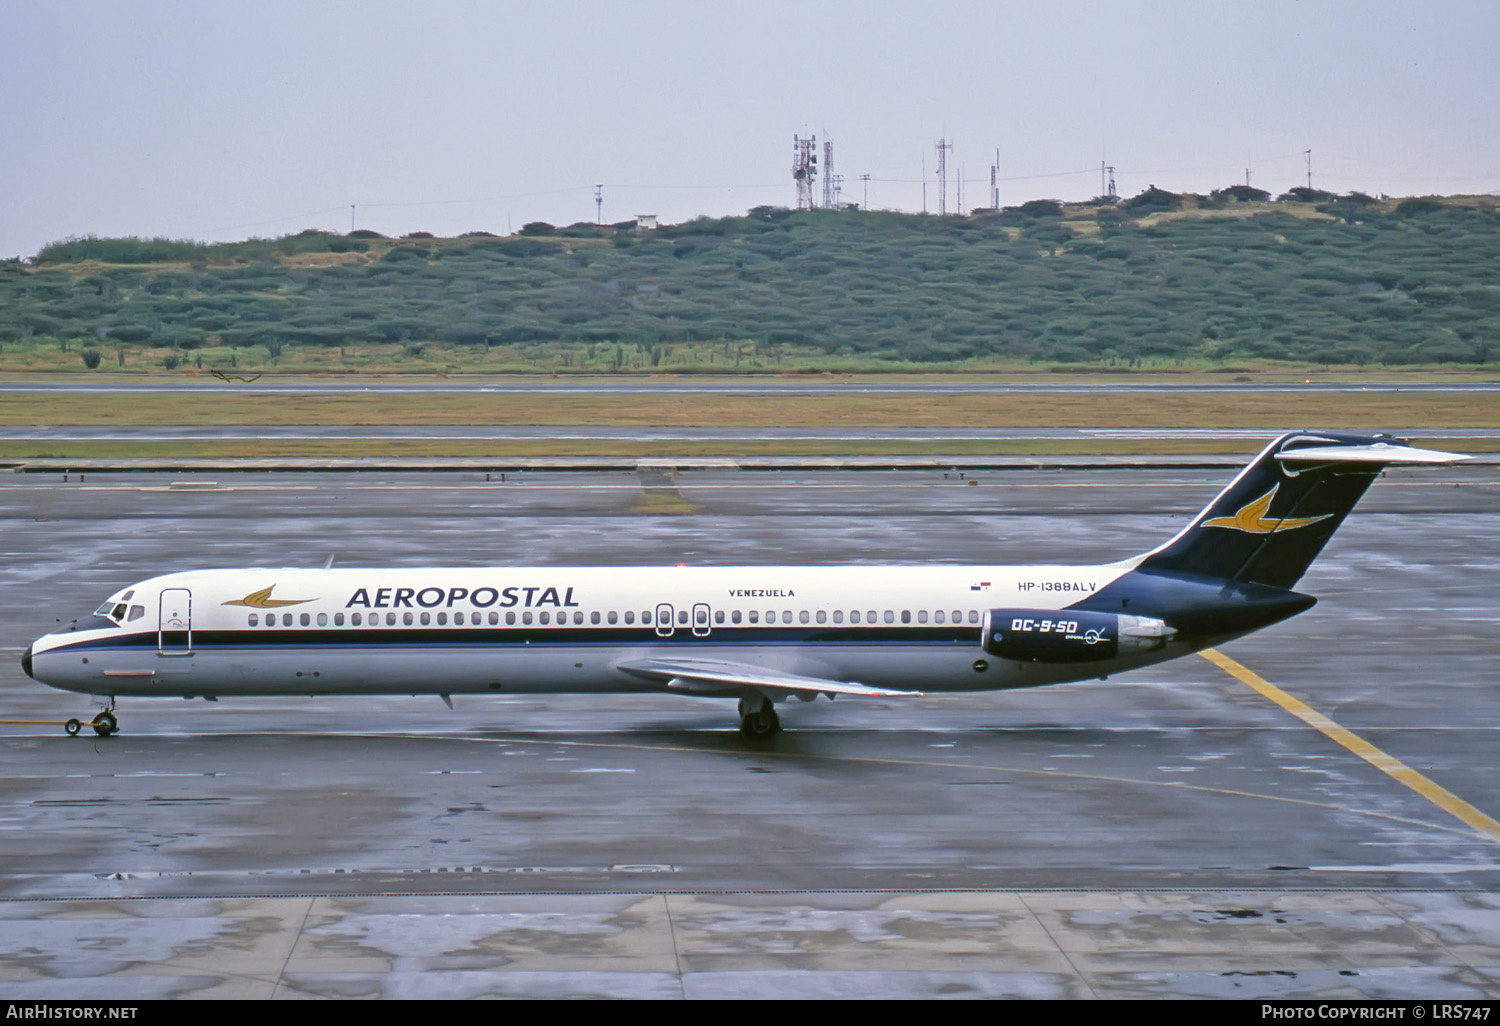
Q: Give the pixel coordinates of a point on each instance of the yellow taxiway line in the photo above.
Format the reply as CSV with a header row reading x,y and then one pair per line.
x,y
1443,799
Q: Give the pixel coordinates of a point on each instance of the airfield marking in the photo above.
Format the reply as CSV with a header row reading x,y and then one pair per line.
x,y
1491,831
1387,764
873,760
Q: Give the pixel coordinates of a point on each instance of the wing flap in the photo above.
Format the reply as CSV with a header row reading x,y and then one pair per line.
x,y
707,676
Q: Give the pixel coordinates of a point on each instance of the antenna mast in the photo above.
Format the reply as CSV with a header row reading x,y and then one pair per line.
x,y
943,146
830,187
805,170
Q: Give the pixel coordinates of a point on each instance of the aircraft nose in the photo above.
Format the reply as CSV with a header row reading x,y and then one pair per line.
x,y
26,662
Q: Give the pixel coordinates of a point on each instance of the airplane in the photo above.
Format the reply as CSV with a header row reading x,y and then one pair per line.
x,y
757,634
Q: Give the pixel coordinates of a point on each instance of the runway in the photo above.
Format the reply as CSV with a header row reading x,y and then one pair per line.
x,y
1169,832
563,433
737,385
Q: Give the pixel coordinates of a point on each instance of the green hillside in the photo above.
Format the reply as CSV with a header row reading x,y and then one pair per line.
x,y
1155,281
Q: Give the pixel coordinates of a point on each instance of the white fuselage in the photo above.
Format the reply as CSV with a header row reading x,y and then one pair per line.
x,y
210,633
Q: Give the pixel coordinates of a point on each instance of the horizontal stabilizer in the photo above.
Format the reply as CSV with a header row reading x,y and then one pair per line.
x,y
1276,516
704,676
1380,452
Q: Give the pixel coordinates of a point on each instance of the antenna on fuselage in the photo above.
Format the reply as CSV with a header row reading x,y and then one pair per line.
x,y
328,563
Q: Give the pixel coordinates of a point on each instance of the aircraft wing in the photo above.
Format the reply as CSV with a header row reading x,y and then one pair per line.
x,y
706,676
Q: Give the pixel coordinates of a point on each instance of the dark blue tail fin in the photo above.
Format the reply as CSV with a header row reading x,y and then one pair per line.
x,y
1276,516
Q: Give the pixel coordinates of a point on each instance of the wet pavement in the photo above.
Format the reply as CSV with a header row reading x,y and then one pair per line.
x,y
1166,832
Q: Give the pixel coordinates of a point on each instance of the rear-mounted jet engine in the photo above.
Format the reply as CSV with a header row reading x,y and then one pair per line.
x,y
1070,635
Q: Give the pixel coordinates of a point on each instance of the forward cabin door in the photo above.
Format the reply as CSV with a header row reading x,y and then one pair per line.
x,y
174,631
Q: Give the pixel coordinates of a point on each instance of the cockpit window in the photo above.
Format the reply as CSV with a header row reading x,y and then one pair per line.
x,y
114,612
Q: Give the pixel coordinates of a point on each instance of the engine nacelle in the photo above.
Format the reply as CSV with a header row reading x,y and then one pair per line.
x,y
1070,635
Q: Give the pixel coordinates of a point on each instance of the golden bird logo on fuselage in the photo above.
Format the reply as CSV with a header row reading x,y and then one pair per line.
x,y
1252,518
262,600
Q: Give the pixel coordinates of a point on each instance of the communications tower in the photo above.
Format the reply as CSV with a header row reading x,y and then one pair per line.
x,y
805,170
831,181
943,146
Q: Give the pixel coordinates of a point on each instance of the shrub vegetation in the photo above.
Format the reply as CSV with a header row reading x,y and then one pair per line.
x,y
1158,279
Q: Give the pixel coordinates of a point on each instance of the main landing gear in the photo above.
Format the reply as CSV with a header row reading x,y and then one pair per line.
x,y
758,720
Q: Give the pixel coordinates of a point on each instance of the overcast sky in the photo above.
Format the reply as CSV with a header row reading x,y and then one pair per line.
x,y
207,119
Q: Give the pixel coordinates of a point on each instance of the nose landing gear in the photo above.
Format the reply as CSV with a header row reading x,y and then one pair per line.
x,y
104,724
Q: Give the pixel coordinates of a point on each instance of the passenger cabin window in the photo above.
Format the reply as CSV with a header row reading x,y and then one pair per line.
x,y
754,616
338,619
614,617
254,620
322,619
838,616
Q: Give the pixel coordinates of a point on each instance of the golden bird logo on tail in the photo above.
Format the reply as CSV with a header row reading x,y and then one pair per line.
x,y
1252,518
